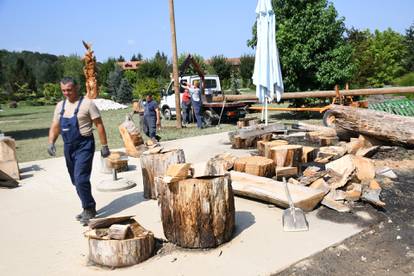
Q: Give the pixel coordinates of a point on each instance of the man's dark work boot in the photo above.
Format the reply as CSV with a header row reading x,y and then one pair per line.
x,y
88,213
79,216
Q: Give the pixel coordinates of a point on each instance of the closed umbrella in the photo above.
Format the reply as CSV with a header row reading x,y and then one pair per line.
x,y
267,75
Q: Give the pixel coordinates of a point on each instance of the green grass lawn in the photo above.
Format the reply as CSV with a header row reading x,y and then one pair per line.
x,y
29,126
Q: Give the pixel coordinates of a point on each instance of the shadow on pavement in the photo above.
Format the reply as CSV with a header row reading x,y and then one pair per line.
x,y
120,204
244,220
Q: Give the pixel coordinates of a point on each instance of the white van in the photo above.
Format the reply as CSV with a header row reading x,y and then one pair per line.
x,y
212,86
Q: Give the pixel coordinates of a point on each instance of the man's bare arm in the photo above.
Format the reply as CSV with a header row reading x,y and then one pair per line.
x,y
101,131
54,132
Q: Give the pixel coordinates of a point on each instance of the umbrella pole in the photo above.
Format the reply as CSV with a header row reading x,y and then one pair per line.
x,y
266,113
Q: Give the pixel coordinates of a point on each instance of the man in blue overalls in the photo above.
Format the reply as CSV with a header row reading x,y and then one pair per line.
x,y
73,119
152,119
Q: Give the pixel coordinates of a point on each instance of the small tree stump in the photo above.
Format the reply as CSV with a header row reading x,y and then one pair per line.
x,y
287,155
156,164
256,165
271,144
119,253
198,212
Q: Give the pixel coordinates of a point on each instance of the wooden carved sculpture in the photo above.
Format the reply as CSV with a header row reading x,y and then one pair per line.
x,y
89,70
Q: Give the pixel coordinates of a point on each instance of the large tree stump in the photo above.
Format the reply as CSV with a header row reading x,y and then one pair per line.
x,y
156,164
256,165
287,155
198,212
270,144
118,253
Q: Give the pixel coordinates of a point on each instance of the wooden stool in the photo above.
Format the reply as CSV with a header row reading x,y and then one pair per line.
x,y
198,213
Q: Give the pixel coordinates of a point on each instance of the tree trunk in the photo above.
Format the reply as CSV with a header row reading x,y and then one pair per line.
x,y
198,213
119,253
248,136
153,165
383,126
287,155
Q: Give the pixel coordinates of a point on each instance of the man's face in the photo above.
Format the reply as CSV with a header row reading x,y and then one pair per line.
x,y
149,98
69,91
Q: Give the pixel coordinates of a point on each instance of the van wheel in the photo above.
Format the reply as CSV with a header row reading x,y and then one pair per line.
x,y
166,114
210,118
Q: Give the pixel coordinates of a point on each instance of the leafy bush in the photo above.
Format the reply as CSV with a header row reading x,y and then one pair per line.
x,y
406,80
147,86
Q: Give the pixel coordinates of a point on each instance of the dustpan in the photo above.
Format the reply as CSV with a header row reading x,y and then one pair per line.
x,y
293,218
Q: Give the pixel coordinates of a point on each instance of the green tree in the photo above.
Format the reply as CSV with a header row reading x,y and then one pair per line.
x,y
388,52
409,44
22,78
131,76
310,40
190,69
137,57
52,92
73,67
145,87
113,82
221,67
246,69
120,59
103,70
124,93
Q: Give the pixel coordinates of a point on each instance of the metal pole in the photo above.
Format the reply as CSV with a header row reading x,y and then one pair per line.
x,y
175,66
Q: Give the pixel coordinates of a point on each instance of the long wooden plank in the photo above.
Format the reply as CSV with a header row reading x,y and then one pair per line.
x,y
272,191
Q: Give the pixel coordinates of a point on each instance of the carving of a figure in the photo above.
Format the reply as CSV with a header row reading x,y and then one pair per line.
x,y
89,71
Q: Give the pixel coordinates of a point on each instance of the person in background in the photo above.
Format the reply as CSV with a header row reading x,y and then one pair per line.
x,y
73,119
196,101
186,106
152,119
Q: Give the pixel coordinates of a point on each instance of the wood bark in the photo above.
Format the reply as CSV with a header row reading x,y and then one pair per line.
x,y
286,155
271,144
153,165
272,191
380,125
8,158
198,213
120,253
133,144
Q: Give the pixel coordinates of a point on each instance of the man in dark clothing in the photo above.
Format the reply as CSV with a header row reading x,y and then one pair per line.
x,y
151,119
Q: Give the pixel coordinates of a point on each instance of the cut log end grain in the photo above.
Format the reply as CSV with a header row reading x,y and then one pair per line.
x,y
287,155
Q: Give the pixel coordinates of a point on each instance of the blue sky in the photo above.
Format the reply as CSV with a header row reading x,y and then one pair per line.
x,y
126,27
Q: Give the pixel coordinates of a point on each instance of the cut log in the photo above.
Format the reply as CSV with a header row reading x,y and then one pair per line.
x,y
380,125
120,253
286,155
248,137
271,191
308,154
178,170
271,144
153,165
117,160
133,145
106,222
244,122
198,213
119,231
286,172
8,158
7,181
256,165
321,130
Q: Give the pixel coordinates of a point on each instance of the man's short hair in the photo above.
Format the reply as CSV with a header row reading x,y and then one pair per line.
x,y
66,80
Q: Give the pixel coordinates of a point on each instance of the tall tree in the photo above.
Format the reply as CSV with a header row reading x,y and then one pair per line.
x,y
104,69
246,68
124,93
221,67
313,51
121,59
409,44
388,51
113,82
21,74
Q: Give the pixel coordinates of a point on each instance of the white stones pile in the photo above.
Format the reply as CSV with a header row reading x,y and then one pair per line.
x,y
104,104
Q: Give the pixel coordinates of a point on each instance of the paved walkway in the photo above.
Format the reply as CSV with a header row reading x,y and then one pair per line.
x,y
39,235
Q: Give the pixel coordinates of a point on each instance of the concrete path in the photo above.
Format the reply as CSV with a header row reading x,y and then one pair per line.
x,y
39,235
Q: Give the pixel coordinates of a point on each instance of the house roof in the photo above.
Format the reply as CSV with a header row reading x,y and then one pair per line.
x,y
130,65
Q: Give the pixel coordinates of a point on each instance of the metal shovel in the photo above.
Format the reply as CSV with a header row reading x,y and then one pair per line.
x,y
294,219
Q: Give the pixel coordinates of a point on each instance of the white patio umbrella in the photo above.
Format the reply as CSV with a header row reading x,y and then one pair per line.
x,y
267,75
